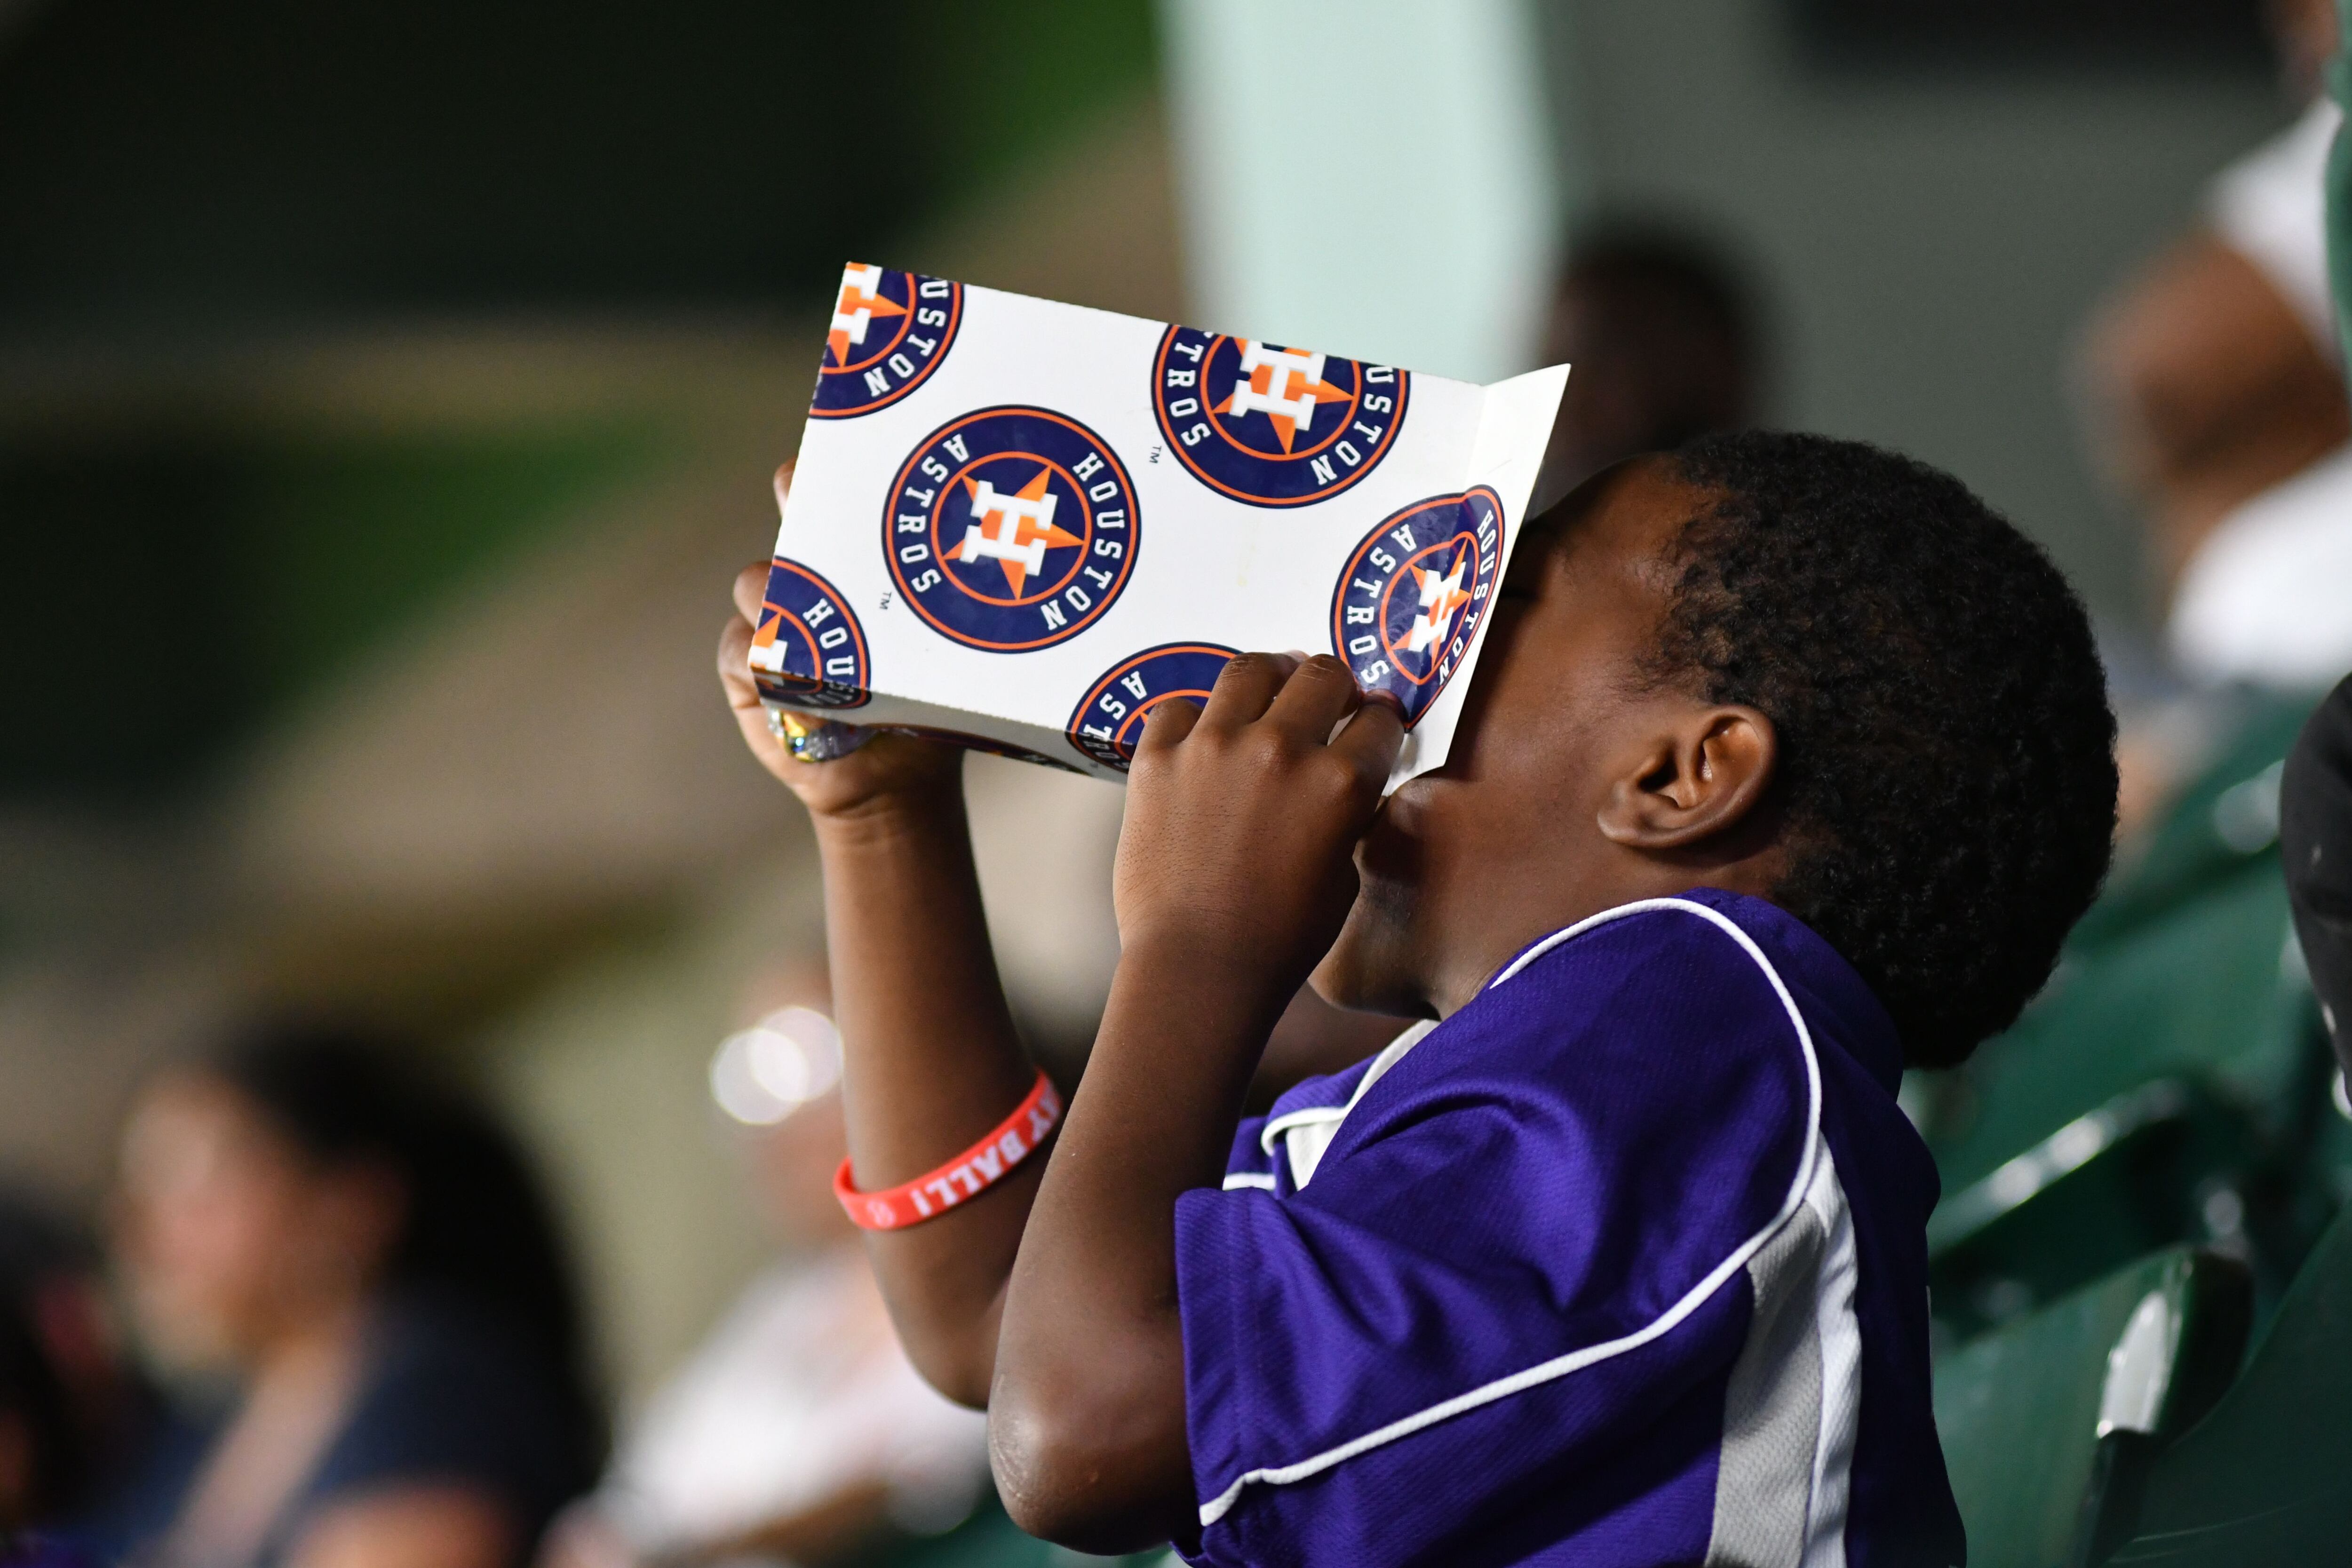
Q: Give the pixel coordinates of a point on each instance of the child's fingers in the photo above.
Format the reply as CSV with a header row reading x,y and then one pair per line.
x,y
735,665
1372,739
1167,723
1246,688
752,591
1320,693
783,483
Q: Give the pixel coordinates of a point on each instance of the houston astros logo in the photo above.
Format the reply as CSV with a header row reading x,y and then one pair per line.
x,y
1272,426
1413,593
890,331
809,651
1011,528
1108,720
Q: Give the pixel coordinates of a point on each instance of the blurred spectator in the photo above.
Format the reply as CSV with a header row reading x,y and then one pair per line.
x,y
368,1256
2215,398
799,1430
2218,403
46,1454
1662,342
38,1454
72,1411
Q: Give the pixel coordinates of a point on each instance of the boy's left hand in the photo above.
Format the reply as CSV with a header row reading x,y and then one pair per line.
x,y
1242,817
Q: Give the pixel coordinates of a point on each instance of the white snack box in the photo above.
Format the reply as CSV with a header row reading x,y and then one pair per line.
x,y
1019,525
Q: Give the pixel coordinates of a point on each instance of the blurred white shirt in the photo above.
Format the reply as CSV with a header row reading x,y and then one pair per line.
x,y
800,1392
2270,207
2267,599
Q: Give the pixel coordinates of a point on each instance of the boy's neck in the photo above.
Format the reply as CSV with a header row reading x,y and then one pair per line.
x,y
1460,965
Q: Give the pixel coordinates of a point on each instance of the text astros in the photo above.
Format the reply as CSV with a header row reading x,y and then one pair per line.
x,y
1012,528
1108,722
1412,595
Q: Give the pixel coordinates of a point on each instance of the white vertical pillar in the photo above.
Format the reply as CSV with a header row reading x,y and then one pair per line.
x,y
1369,177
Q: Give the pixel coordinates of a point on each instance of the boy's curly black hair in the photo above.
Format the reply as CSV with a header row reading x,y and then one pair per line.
x,y
1947,769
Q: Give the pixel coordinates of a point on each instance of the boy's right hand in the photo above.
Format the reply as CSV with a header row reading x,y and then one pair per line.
x,y
1242,816
884,771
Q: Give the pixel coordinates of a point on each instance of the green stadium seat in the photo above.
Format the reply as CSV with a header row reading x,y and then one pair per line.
x,y
2266,1478
2133,1175
2223,820
2167,1086
2049,1423
2209,992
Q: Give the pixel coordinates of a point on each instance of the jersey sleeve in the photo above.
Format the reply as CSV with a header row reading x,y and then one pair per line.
x,y
1520,1254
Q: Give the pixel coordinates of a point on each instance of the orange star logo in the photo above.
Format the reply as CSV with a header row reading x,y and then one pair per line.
x,y
1441,596
765,654
1285,382
1015,535
855,298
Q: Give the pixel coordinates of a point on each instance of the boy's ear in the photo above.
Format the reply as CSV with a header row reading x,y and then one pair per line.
x,y
1700,773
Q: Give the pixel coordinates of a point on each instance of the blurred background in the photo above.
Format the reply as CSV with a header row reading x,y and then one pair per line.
x,y
388,392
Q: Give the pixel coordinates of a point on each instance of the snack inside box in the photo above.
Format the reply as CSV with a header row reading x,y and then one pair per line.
x,y
1018,525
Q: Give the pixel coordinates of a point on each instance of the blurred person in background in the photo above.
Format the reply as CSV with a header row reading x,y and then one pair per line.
x,y
798,1431
1662,337
365,1256
37,1445
2216,400
44,1450
2214,397
73,1412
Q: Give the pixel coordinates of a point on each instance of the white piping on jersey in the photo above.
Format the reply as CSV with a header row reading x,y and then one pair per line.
x,y
1560,1367
1277,1126
1236,1179
1304,1150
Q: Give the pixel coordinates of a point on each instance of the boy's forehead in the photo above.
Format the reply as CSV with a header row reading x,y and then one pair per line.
x,y
1627,517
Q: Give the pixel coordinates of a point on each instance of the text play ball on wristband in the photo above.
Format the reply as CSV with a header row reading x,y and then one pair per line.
x,y
967,1176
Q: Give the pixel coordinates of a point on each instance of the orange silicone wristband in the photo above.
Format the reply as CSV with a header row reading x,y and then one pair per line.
x,y
967,1176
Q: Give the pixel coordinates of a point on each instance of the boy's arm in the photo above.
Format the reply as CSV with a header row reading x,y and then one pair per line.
x,y
931,1061
1233,878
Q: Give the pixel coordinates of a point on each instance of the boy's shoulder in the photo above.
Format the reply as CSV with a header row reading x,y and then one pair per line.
x,y
1503,1247
1709,1010
1699,958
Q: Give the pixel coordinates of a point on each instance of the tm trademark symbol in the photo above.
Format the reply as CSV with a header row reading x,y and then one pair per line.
x,y
886,601
1155,455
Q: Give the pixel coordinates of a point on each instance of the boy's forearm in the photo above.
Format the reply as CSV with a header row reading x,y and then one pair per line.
x,y
1087,1416
930,1063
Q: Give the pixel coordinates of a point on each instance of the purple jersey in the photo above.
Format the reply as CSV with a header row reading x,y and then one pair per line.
x,y
1624,1263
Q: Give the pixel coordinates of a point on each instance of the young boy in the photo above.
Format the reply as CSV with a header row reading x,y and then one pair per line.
x,y
1787,762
